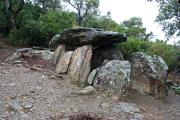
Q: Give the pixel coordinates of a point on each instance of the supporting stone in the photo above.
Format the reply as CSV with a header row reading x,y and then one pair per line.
x,y
80,65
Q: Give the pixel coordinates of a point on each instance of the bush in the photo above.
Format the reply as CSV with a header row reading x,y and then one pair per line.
x,y
28,35
133,45
168,52
55,21
39,32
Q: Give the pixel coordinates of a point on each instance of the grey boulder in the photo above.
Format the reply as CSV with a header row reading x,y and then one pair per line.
x,y
114,75
149,74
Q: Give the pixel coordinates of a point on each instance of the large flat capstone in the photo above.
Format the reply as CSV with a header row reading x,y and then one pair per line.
x,y
84,36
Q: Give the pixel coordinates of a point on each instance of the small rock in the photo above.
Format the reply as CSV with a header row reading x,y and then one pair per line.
x,y
18,62
104,105
15,107
85,91
91,77
23,50
126,107
36,68
115,98
15,56
138,116
28,106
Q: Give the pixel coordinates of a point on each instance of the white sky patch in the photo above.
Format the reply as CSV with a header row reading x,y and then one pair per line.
x,y
125,9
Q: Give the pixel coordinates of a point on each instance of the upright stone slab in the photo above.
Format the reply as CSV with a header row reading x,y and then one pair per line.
x,y
149,74
80,64
63,63
58,53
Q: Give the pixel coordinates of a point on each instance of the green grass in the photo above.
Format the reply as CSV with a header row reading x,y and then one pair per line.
x,y
177,90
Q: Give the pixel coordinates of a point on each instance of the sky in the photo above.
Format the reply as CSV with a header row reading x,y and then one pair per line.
x,y
125,9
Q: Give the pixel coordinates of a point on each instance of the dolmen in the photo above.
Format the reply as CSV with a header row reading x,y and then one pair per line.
x,y
90,56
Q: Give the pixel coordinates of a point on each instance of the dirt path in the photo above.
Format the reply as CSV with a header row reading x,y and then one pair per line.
x,y
40,95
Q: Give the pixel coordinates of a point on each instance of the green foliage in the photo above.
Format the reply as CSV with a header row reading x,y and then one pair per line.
x,y
49,4
83,8
134,28
168,52
177,90
27,35
54,22
3,18
39,32
133,45
169,16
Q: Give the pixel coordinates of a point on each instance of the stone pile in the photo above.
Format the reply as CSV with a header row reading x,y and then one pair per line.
x,y
90,57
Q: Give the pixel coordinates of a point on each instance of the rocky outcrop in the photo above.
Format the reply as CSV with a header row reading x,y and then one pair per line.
x,y
63,63
80,64
85,36
114,75
149,74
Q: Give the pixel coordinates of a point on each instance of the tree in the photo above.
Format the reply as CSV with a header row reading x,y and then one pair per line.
x,y
48,4
83,7
169,16
10,13
134,27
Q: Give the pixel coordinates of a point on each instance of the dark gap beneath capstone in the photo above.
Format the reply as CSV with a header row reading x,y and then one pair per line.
x,y
102,53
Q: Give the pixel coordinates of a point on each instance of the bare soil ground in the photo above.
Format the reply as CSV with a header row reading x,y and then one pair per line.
x,y
27,94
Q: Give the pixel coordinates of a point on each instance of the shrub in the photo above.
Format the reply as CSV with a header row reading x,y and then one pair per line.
x,y
27,35
167,52
39,32
133,45
55,21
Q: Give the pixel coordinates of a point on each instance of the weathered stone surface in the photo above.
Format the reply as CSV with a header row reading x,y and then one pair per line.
x,y
63,63
85,36
105,53
15,56
126,107
80,64
58,53
91,77
149,74
114,75
85,91
44,54
53,41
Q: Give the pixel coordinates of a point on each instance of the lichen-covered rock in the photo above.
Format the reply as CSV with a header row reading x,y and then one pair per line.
x,y
53,41
63,63
80,64
85,91
149,74
85,36
114,75
58,53
91,77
